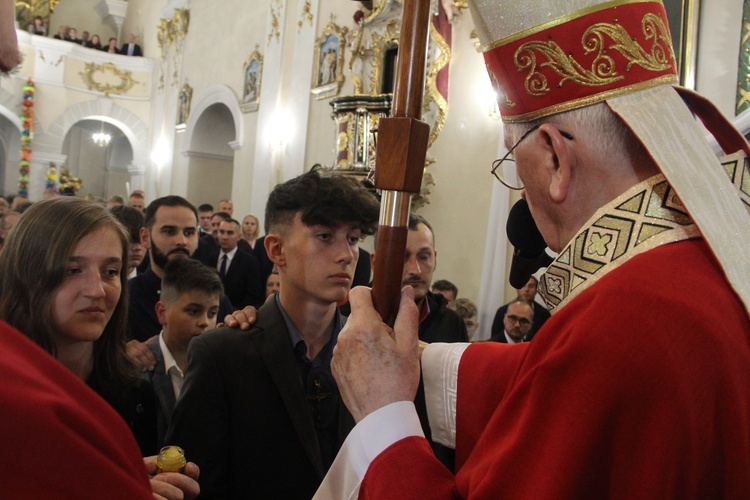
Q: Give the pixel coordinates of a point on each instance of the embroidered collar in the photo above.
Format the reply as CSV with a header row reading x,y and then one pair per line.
x,y
644,217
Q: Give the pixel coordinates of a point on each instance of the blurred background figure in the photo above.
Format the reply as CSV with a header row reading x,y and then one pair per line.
x,y
468,312
250,229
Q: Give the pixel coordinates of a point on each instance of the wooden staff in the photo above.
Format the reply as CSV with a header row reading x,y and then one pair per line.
x,y
400,157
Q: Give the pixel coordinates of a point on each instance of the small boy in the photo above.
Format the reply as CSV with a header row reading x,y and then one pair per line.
x,y
188,306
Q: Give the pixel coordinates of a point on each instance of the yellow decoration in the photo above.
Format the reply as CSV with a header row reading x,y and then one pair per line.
x,y
106,78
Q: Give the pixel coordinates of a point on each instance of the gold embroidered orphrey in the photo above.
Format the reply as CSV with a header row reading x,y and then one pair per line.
x,y
604,69
648,215
737,168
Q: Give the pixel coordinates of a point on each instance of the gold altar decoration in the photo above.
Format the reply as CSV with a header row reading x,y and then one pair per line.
x,y
372,45
306,15
107,79
27,10
69,185
275,31
171,35
380,9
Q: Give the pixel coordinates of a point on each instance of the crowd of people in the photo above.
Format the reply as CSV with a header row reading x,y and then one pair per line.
x,y
631,388
70,34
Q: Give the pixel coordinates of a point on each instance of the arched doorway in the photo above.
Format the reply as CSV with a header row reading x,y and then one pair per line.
x,y
211,158
10,144
103,166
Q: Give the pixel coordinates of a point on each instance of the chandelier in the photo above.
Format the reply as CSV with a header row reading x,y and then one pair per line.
x,y
101,138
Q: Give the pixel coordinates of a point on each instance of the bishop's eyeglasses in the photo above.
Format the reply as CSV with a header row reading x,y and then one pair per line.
x,y
504,169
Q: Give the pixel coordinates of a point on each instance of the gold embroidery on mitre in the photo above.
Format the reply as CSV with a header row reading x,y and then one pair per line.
x,y
604,69
646,216
499,89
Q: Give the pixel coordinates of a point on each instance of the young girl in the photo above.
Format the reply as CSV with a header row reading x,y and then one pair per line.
x,y
63,278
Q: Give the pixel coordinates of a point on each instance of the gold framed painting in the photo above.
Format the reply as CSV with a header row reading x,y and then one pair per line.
x,y
684,18
328,57
253,71
183,106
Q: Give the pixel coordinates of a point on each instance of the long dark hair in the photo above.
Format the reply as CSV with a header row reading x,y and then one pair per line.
x,y
32,267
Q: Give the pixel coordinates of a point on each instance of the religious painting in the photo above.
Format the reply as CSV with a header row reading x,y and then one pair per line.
x,y
684,17
251,89
328,57
183,106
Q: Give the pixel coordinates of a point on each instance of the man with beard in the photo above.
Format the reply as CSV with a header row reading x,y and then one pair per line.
x,y
170,232
517,321
437,323
525,293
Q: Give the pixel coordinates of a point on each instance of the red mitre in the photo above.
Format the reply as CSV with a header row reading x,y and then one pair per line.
x,y
580,59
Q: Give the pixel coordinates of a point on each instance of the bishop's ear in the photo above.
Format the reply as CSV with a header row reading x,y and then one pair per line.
x,y
561,166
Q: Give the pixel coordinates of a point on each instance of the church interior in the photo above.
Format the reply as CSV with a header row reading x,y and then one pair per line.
x,y
231,98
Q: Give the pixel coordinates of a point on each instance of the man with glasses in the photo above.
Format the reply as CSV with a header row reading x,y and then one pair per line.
x,y
517,322
631,389
528,294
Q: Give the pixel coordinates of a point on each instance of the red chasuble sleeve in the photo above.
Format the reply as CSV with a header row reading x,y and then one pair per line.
x,y
59,439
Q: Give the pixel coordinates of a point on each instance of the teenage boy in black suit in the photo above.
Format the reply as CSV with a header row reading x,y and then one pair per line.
x,y
260,412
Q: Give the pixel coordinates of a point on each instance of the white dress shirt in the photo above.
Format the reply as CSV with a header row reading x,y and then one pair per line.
x,y
170,366
230,255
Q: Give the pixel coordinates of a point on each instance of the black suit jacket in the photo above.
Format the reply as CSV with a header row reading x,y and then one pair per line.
x,y
209,250
161,383
242,280
243,416
136,50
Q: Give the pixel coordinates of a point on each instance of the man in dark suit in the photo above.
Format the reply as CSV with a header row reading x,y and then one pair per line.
x,y
517,321
209,243
187,307
259,411
527,293
131,48
239,271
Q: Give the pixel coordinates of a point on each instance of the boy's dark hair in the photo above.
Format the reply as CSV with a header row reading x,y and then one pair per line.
x,y
223,215
206,207
325,199
186,275
445,285
167,201
131,218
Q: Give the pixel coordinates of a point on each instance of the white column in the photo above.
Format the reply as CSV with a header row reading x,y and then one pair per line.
x,y
268,160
